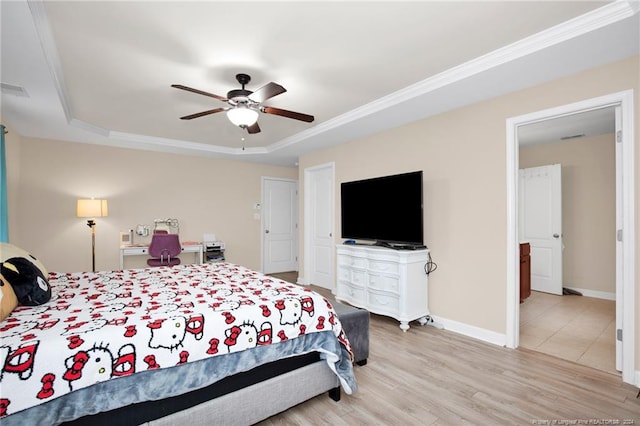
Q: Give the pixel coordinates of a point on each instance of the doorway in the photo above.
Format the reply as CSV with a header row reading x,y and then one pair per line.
x,y
574,319
625,213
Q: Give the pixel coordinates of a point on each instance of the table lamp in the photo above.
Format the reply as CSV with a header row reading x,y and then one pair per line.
x,y
91,208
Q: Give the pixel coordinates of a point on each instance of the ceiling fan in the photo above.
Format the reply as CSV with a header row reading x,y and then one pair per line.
x,y
244,105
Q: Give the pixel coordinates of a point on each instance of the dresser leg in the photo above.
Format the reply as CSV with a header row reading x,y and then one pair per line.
x,y
404,325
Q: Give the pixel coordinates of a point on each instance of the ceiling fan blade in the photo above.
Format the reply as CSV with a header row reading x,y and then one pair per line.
x,y
203,113
254,128
199,92
288,114
267,91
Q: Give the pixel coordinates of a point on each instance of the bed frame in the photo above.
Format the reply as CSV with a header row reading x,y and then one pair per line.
x,y
262,400
245,398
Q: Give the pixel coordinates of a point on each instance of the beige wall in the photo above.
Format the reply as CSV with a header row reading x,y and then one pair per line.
x,y
464,205
588,208
206,195
463,156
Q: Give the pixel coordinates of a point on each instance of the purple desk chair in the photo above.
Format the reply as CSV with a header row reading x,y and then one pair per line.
x,y
164,249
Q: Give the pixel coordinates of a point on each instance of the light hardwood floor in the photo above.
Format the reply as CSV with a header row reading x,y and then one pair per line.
x,y
575,328
428,376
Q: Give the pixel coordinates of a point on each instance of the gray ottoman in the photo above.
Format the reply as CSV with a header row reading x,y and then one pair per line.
x,y
355,323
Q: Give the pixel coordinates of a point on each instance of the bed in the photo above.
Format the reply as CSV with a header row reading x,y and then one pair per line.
x,y
211,343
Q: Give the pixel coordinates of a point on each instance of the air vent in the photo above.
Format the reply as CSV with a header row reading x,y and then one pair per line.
x,y
10,89
564,138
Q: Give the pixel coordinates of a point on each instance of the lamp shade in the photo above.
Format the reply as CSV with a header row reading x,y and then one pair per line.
x,y
242,116
92,208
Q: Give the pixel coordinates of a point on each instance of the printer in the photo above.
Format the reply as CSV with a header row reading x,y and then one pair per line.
x,y
213,245
212,248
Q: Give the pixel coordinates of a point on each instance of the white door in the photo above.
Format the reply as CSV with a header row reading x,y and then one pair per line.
x,y
319,211
279,225
540,222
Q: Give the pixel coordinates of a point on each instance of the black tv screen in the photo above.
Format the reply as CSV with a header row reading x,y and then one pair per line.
x,y
385,209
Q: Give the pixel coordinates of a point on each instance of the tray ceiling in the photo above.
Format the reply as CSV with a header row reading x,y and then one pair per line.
x,y
100,72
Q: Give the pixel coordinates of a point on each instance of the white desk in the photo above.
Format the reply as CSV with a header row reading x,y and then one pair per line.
x,y
143,250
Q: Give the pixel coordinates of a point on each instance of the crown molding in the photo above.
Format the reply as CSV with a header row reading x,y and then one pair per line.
x,y
596,19
144,141
41,23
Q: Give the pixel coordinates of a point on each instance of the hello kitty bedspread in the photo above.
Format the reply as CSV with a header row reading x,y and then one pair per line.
x,y
107,325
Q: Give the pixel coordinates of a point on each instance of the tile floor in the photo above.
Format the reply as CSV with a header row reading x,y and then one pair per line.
x,y
576,328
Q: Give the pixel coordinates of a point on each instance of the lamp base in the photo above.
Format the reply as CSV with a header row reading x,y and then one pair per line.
x,y
92,224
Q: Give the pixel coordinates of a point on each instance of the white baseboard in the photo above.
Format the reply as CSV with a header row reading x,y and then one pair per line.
x,y
485,335
593,293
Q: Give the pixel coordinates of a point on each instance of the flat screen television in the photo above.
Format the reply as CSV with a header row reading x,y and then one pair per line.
x,y
387,210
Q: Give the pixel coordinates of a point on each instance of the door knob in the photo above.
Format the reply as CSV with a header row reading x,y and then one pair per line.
x,y
266,231
556,236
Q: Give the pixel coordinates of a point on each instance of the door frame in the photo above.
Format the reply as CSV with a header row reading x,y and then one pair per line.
x,y
625,169
307,258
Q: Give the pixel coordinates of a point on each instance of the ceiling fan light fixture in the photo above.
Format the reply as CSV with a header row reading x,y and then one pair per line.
x,y
242,116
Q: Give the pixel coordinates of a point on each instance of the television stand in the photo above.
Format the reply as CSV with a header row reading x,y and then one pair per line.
x,y
384,281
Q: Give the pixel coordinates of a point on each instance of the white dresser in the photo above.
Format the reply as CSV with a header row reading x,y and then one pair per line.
x,y
384,281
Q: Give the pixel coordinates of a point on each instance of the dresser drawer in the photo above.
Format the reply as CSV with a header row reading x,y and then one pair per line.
x,y
358,277
353,276
344,260
354,261
384,302
382,266
387,283
351,293
344,273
